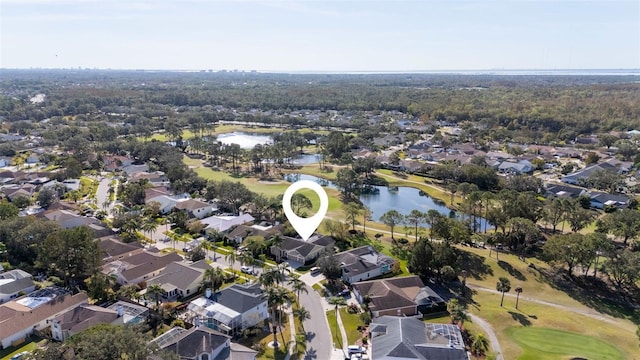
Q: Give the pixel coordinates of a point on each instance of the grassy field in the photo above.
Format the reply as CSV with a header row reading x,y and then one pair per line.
x,y
532,315
542,344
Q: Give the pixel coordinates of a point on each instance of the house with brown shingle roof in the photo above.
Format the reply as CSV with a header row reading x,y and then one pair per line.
x,y
113,249
20,317
398,296
80,318
139,267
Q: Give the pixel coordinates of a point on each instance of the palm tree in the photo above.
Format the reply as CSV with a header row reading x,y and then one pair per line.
x,y
276,242
503,285
518,290
366,215
300,344
301,314
231,258
148,226
276,297
154,291
129,292
298,286
337,301
480,345
271,277
214,277
246,258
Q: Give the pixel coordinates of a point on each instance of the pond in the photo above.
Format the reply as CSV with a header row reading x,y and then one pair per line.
x,y
383,199
245,140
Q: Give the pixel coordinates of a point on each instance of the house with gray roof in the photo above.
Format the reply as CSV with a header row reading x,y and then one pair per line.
x,y
13,283
516,167
200,343
408,338
563,191
180,279
300,251
575,177
363,263
601,199
231,309
398,296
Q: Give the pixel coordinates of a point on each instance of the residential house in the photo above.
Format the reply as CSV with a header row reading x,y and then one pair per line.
x,y
398,296
231,309
196,208
116,162
222,223
600,199
129,313
139,267
66,219
180,279
241,232
14,283
202,343
79,319
516,168
155,178
408,338
85,316
113,249
20,317
575,177
134,169
300,251
563,191
164,198
363,263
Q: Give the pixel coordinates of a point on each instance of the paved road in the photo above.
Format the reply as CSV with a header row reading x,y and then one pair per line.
x,y
495,344
319,344
102,194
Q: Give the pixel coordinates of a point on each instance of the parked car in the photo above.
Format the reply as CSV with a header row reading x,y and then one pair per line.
x,y
314,270
19,356
241,249
246,270
355,349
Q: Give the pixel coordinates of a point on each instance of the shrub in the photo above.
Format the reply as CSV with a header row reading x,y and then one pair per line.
x,y
365,317
353,309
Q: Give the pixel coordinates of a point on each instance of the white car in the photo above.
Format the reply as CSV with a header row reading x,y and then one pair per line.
x,y
246,270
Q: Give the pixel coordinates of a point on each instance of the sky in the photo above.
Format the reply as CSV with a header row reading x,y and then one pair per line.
x,y
320,35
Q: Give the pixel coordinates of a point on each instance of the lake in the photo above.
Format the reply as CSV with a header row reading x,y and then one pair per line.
x,y
403,200
245,140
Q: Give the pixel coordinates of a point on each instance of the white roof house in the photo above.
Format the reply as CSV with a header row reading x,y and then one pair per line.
x,y
223,223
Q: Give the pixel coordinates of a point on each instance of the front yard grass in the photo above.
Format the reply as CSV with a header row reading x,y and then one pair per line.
x,y
351,323
336,337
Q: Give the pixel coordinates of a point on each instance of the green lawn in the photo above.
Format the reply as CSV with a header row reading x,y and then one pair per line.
x,y
351,323
544,343
6,354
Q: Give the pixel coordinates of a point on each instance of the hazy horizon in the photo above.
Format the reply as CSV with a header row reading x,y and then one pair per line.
x,y
351,36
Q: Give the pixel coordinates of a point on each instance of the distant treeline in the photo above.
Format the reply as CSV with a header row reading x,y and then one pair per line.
x,y
531,106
